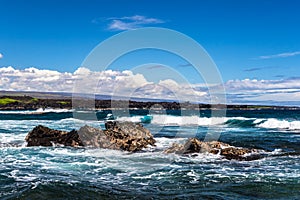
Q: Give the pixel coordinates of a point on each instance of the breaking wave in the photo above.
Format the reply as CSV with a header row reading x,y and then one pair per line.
x,y
158,119
38,111
239,122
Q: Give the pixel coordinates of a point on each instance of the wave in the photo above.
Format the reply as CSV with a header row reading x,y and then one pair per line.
x,y
171,120
238,122
38,111
187,120
243,123
273,123
157,119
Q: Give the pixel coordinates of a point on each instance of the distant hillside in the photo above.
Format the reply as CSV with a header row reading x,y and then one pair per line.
x,y
25,102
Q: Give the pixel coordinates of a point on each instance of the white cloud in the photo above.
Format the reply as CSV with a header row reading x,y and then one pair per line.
x,y
128,84
183,90
248,90
109,82
33,79
281,55
266,85
131,22
1,55
82,71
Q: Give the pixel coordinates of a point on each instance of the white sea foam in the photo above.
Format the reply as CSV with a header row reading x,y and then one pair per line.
x,y
38,111
257,121
178,120
170,120
131,119
273,123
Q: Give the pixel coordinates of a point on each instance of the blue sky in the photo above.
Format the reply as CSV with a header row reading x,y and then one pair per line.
x,y
255,40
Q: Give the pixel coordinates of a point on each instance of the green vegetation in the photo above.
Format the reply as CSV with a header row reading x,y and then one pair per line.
x,y
63,102
259,107
6,101
33,100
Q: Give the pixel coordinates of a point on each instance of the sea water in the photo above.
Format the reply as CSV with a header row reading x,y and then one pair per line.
x,y
87,173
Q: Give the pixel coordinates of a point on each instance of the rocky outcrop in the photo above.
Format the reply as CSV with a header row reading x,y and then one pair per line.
x,y
44,136
130,137
194,145
129,130
93,137
125,136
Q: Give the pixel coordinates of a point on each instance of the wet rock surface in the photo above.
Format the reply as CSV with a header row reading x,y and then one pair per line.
x,y
93,137
129,136
194,145
132,137
125,136
44,136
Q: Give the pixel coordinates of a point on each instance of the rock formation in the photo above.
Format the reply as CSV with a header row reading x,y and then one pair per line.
x,y
93,137
130,137
194,145
126,136
44,136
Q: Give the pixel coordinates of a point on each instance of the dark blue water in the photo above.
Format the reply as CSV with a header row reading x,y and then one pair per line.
x,y
82,173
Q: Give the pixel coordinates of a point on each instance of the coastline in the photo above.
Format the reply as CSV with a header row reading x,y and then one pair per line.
x,y
261,144
37,100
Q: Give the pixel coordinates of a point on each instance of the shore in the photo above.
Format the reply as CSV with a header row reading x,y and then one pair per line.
x,y
35,100
261,161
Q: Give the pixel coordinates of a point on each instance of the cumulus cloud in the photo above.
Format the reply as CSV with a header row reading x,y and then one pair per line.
x,y
189,89
1,55
109,82
253,90
129,84
267,85
32,79
131,22
280,55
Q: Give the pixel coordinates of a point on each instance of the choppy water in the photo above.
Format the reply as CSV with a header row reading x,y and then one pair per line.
x,y
80,173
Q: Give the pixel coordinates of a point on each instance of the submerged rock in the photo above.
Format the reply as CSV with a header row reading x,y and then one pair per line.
x,y
44,136
194,145
126,136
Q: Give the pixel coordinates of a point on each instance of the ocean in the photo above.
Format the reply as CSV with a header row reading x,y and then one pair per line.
x,y
87,173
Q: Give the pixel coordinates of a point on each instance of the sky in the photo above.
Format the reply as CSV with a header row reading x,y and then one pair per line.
x,y
255,45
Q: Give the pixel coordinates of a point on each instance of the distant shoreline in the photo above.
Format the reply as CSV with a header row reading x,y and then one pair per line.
x,y
36,100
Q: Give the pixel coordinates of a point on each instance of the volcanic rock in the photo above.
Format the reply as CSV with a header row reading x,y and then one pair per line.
x,y
129,136
126,136
93,137
44,136
194,145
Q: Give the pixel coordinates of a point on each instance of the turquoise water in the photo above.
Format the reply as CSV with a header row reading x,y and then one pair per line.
x,y
83,173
